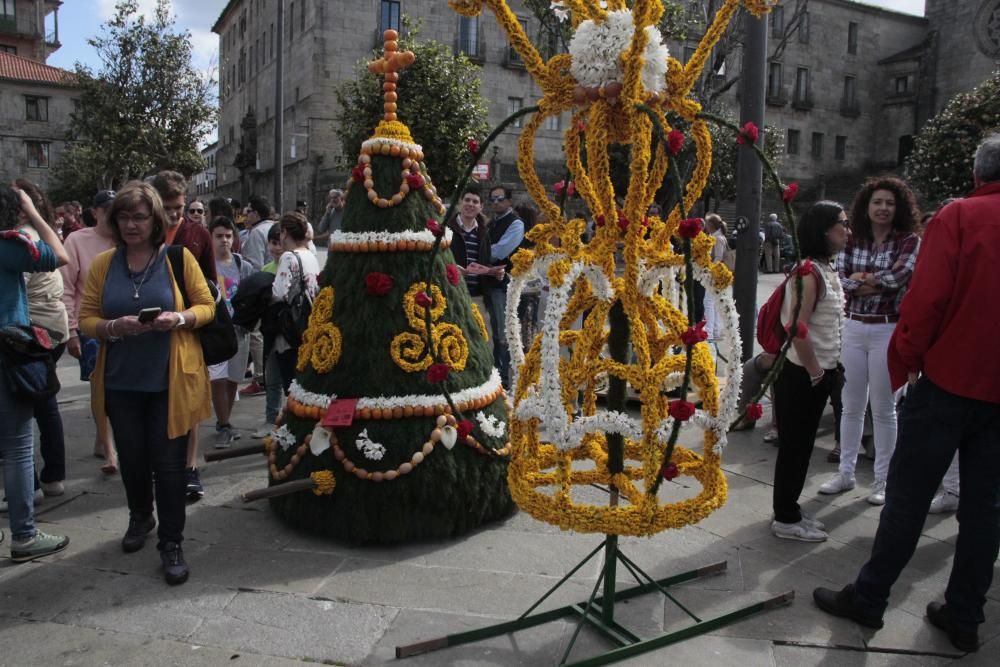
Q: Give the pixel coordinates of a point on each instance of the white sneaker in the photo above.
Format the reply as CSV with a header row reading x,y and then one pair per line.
x,y
838,483
877,496
801,531
946,501
808,519
264,430
53,488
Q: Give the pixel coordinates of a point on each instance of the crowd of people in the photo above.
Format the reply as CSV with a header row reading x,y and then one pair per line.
x,y
881,316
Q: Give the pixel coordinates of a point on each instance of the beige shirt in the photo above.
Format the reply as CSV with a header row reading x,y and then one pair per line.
x,y
827,322
45,292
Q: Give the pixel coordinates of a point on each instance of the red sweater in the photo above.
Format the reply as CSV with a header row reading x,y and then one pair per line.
x,y
195,238
952,307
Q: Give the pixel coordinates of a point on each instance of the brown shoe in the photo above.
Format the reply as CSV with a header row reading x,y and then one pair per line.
x,y
834,455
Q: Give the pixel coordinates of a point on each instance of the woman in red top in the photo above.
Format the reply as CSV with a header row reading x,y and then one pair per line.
x,y
875,270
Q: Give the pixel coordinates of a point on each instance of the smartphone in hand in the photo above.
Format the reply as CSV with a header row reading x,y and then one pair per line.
x,y
147,315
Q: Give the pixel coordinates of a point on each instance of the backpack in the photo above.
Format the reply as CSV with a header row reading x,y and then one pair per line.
x,y
218,337
771,333
294,317
729,256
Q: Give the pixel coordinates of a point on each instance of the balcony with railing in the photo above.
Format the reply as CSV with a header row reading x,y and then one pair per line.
x,y
18,25
803,100
850,108
472,46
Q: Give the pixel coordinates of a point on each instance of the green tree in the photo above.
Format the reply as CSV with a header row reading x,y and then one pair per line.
x,y
146,109
940,165
457,112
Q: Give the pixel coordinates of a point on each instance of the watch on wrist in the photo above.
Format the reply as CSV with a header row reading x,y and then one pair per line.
x,y
180,321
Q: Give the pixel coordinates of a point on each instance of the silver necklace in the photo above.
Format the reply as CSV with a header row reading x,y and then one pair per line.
x,y
138,285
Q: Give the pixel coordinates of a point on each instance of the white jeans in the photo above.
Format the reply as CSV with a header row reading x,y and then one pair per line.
x,y
867,379
950,483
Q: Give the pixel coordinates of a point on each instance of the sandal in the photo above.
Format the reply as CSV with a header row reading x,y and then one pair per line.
x,y
109,469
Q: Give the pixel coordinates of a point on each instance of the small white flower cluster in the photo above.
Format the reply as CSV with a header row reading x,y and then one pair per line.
x,y
372,450
596,50
560,10
283,438
490,425
424,236
310,398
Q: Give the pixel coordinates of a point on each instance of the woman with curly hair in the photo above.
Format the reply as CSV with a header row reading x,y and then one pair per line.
x,y
875,270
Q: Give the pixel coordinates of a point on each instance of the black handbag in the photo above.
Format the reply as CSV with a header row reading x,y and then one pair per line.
x,y
218,337
28,366
294,317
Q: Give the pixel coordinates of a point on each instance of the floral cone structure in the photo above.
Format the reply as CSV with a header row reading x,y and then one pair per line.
x,y
402,467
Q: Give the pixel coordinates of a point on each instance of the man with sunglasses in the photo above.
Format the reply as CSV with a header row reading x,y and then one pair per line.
x,y
196,213
506,232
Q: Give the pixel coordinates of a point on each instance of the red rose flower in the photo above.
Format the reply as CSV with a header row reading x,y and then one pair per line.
x,y
754,412
358,174
805,268
580,125
669,471
464,429
452,273
423,300
790,192
695,334
675,142
473,146
435,227
800,329
438,372
690,228
622,221
378,284
415,181
748,134
681,410
600,221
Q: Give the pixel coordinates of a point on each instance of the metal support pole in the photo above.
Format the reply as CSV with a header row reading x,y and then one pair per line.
x,y
748,178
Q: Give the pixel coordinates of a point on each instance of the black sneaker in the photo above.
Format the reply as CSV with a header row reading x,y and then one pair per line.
x,y
175,570
940,617
135,536
841,603
195,491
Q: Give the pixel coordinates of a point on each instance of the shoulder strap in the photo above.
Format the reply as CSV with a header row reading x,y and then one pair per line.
x,y
175,254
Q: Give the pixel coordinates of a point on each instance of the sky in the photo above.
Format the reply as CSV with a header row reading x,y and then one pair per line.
x,y
80,20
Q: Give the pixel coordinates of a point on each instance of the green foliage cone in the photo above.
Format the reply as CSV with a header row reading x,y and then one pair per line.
x,y
451,491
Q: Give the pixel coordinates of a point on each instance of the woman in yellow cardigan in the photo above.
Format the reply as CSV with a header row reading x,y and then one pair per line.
x,y
151,376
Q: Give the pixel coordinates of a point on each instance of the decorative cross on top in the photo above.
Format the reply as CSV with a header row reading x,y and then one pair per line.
x,y
389,65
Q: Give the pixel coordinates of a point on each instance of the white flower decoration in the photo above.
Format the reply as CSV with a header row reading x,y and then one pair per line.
x,y
372,450
283,438
490,425
597,48
560,10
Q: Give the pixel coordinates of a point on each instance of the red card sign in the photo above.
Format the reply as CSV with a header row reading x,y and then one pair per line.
x,y
340,412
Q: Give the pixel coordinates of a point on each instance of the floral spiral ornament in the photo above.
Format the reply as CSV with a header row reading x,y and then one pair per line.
x,y
629,267
451,345
322,342
409,350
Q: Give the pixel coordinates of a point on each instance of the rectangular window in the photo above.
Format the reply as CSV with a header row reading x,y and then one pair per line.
x,y
514,104
36,108
902,85
38,154
777,21
8,49
688,53
513,57
291,22
553,123
252,61
850,92
8,10
804,28
852,38
840,147
389,15
792,145
816,149
302,17
232,133
272,41
774,88
802,85
468,35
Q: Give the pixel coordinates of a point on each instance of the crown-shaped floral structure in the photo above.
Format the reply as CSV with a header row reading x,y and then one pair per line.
x,y
620,85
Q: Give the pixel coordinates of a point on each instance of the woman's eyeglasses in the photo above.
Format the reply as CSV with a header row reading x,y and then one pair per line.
x,y
137,218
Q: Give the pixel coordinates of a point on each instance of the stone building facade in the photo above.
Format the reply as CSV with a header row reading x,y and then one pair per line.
x,y
851,87
29,28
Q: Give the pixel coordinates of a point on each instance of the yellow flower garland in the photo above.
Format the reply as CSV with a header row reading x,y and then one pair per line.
x,y
541,476
322,343
409,349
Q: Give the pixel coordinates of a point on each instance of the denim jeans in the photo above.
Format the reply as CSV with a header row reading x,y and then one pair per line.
x,y
152,465
495,299
798,407
933,424
18,449
50,433
273,389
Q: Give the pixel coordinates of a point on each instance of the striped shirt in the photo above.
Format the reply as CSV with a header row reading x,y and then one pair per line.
x,y
471,239
891,262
